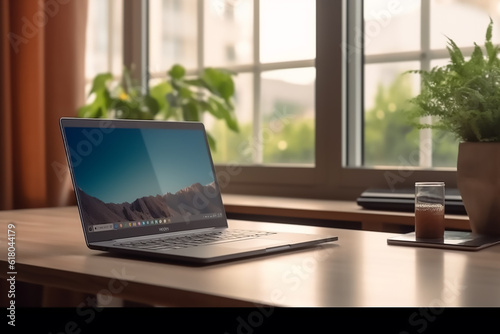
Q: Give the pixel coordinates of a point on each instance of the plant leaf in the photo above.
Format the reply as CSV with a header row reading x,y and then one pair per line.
x,y
99,82
211,142
477,56
98,107
190,112
159,93
177,71
152,106
457,58
489,31
218,82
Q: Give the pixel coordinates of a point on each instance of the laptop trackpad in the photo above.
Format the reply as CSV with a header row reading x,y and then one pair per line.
x,y
254,243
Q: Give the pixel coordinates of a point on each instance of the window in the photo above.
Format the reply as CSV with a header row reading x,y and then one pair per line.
x,y
270,45
399,36
275,66
104,49
319,95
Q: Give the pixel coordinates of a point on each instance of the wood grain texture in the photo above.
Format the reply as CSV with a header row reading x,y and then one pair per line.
x,y
360,269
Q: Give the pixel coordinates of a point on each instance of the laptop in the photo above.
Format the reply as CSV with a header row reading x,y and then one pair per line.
x,y
149,188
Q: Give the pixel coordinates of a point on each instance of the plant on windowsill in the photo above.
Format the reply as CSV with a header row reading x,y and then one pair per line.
x,y
463,97
176,98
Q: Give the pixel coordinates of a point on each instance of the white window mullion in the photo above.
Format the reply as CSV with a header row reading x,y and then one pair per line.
x,y
135,31
353,58
200,36
393,57
425,45
258,156
414,56
111,10
145,47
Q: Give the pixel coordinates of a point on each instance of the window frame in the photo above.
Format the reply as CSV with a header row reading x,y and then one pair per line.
x,y
332,176
409,171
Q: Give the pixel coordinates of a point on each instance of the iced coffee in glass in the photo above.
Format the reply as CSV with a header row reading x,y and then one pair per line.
x,y
429,210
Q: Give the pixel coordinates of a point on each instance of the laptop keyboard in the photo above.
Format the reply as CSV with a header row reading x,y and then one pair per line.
x,y
192,240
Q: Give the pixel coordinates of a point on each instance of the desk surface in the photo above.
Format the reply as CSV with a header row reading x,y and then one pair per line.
x,y
360,269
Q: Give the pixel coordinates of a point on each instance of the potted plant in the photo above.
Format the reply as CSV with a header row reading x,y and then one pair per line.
x,y
463,97
177,97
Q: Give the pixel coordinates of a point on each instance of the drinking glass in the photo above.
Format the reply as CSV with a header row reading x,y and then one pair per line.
x,y
429,210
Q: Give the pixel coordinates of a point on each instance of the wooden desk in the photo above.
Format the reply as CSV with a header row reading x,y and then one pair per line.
x,y
329,210
360,269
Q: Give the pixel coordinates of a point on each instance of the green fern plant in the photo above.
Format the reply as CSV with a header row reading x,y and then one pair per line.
x,y
463,97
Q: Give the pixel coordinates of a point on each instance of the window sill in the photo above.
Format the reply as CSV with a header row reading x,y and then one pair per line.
x,y
328,210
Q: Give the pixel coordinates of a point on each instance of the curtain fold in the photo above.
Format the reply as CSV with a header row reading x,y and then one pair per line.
x,y
6,183
42,80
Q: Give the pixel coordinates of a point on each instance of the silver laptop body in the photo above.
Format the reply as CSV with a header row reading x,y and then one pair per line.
x,y
149,188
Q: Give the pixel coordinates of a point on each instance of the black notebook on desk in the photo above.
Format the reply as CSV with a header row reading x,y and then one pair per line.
x,y
404,200
452,240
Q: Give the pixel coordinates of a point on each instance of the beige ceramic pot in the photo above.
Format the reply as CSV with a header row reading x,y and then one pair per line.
x,y
478,179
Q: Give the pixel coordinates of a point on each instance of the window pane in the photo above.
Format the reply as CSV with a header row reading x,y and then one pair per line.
x,y
287,30
288,128
104,47
116,39
444,145
389,138
97,43
464,21
228,29
390,26
444,149
172,34
236,147
104,39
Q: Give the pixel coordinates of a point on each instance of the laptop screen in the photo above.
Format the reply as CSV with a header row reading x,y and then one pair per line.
x,y
138,177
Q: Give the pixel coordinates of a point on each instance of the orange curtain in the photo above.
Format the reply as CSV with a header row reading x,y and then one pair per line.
x,y
42,79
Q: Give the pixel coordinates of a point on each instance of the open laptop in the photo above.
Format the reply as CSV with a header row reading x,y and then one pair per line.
x,y
149,188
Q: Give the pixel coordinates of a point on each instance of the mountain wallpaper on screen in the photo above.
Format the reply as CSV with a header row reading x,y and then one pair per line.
x,y
195,199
